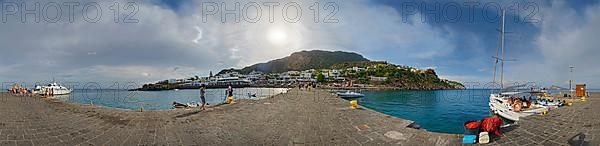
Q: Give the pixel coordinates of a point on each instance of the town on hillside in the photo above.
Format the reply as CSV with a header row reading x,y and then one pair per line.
x,y
361,75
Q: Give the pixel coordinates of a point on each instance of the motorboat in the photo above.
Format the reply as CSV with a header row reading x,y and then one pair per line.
x,y
502,105
185,105
52,89
350,94
251,94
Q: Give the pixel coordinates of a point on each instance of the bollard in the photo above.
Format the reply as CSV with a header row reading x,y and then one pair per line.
x,y
583,98
354,104
229,99
141,108
544,113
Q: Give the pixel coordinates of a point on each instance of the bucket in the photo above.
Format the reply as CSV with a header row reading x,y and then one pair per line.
x,y
484,138
472,127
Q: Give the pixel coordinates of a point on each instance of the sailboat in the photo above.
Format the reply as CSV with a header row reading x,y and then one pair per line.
x,y
508,104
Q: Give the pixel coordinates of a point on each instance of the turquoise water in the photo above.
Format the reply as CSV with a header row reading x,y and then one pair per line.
x,y
159,100
438,111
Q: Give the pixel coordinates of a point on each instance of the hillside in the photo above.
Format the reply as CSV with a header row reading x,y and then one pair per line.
x,y
400,77
315,59
396,76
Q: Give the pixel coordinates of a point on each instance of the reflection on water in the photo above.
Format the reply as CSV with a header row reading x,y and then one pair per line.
x,y
160,100
438,111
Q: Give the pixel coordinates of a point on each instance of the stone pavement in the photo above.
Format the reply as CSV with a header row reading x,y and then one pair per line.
x,y
293,118
571,125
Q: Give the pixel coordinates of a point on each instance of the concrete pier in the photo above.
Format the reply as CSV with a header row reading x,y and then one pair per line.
x,y
578,124
295,118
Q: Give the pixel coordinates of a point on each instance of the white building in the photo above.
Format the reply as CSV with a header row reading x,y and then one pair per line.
x,y
230,74
334,73
255,75
380,79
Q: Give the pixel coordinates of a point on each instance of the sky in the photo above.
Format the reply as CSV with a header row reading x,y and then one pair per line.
x,y
128,43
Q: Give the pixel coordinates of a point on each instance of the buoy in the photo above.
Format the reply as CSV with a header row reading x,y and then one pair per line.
x,y
229,99
354,104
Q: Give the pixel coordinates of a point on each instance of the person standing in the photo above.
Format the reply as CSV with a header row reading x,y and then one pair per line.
x,y
203,96
229,95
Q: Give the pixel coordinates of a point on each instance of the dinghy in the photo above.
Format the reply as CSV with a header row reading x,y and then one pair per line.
x,y
349,94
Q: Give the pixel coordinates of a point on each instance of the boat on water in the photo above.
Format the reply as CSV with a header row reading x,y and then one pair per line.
x,y
350,94
509,106
52,89
185,105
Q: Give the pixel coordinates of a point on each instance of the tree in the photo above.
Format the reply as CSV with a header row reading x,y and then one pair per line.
x,y
320,77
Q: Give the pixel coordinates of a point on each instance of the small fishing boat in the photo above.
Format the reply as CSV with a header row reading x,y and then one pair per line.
x,y
549,103
185,105
350,94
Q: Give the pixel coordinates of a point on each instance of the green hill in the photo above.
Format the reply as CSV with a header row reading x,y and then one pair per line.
x,y
397,76
315,59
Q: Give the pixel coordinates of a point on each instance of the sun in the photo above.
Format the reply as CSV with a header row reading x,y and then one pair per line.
x,y
277,36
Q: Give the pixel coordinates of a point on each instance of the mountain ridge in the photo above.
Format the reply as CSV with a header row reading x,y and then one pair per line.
x,y
303,60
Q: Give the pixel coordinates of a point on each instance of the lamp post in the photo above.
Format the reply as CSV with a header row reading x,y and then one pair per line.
x,y
571,67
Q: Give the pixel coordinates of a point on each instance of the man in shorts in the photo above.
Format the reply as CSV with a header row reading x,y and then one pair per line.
x,y
203,96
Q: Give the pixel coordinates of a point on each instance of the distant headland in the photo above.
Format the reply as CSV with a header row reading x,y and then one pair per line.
x,y
328,69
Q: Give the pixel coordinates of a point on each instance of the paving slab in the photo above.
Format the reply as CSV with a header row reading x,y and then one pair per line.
x,y
298,117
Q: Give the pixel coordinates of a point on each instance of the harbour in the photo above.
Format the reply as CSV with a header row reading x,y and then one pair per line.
x,y
316,117
348,73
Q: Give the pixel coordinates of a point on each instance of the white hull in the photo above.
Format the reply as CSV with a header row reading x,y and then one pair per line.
x,y
499,106
62,91
53,89
350,95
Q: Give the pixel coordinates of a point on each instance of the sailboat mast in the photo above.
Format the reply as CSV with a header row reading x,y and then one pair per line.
x,y
496,57
502,65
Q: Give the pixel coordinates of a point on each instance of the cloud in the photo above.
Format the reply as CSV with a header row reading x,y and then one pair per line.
x,y
199,36
168,36
567,37
172,41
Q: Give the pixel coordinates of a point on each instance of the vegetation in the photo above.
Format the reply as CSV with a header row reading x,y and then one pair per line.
x,y
315,59
396,76
355,68
320,77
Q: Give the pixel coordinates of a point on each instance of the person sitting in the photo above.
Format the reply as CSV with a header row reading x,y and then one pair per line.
x,y
528,102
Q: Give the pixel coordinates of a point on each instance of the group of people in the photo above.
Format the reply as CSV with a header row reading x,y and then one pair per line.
x,y
21,92
228,92
307,86
517,103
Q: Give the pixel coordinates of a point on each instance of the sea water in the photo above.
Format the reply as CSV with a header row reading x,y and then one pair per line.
x,y
438,111
160,100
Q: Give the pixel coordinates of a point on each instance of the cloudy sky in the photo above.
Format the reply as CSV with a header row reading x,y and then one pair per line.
x,y
145,41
